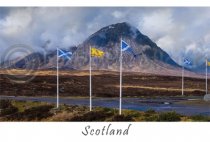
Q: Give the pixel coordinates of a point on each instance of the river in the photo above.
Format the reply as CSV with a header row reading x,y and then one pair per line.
x,y
141,104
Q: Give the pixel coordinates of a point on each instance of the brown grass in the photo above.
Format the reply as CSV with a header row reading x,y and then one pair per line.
x,y
105,84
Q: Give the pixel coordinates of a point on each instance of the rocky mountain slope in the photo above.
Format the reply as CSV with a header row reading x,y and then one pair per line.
x,y
148,56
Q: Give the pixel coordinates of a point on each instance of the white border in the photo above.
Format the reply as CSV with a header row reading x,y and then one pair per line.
x,y
69,132
89,3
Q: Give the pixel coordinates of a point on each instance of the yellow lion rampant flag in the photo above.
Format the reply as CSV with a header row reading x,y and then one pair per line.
x,y
208,63
96,52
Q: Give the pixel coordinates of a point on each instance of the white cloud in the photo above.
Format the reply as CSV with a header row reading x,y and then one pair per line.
x,y
15,23
191,47
117,14
178,31
207,38
166,42
158,23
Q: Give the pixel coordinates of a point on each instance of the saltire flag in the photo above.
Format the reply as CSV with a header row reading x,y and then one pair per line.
x,y
126,48
96,52
64,54
67,56
187,62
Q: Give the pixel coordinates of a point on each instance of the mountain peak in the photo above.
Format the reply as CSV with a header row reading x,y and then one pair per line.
x,y
146,56
120,27
113,33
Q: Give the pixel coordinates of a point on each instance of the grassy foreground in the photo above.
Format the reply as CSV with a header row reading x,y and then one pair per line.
x,y
39,111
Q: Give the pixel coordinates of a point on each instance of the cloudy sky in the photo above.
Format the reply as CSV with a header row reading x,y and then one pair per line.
x,y
178,31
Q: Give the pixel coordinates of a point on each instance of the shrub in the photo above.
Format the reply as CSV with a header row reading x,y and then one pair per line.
x,y
92,116
36,113
8,111
5,104
122,118
200,118
6,108
152,118
150,111
133,114
106,109
169,116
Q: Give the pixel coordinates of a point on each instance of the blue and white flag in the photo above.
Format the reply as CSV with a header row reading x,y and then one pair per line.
x,y
187,62
126,47
64,54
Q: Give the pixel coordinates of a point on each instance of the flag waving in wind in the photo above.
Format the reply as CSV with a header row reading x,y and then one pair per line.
x,y
124,48
187,62
67,56
64,54
127,48
96,52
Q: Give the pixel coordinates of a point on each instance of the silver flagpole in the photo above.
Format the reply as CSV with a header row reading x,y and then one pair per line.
x,y
206,77
90,69
182,80
120,106
57,81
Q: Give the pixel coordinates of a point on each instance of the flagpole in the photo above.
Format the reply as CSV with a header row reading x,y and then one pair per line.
x,y
57,81
90,70
182,80
206,77
120,105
